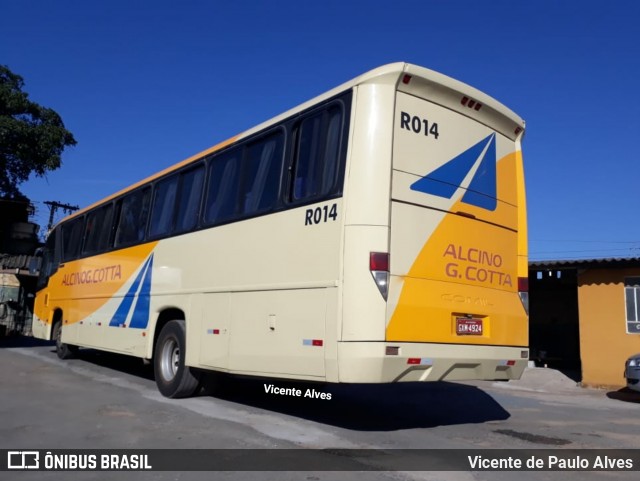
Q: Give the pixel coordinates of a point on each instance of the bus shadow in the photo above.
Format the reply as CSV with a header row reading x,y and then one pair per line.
x,y
125,364
369,407
17,340
132,366
359,407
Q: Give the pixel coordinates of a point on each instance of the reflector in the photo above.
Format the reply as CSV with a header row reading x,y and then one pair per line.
x,y
379,261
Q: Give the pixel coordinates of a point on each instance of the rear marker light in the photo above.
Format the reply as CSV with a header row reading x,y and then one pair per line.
x,y
379,267
406,79
422,361
472,104
523,292
511,363
523,284
312,342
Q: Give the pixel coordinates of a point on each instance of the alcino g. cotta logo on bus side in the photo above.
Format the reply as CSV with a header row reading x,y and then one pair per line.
x,y
93,276
484,265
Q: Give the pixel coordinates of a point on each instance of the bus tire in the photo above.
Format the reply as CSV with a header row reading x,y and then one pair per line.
x,y
173,378
64,351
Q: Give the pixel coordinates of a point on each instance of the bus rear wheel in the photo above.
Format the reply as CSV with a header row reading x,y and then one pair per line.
x,y
173,378
64,351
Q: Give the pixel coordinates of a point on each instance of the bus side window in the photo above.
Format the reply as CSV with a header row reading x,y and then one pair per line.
x,y
98,230
262,169
50,258
134,212
164,200
72,233
189,200
222,188
315,168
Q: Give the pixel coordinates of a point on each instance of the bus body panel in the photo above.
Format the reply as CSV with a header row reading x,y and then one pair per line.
x,y
364,309
99,295
271,280
369,362
368,173
454,230
211,314
367,183
281,332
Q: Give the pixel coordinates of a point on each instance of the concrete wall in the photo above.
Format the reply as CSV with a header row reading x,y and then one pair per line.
x,y
604,342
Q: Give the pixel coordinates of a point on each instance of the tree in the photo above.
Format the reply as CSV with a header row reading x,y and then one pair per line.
x,y
32,137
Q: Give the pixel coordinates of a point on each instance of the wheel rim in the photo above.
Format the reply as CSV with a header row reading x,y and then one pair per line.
x,y
58,337
170,359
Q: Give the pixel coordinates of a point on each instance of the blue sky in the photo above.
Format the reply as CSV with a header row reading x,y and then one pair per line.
x,y
144,84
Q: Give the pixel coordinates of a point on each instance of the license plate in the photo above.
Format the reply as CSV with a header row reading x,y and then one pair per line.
x,y
466,326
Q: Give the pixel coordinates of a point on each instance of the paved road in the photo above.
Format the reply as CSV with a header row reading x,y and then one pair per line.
x,y
105,401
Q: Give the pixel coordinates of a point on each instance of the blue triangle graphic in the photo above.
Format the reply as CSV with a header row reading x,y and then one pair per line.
x,y
140,318
482,189
120,317
446,179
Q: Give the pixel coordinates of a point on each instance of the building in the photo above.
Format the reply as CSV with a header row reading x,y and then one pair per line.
x,y
585,317
18,241
17,291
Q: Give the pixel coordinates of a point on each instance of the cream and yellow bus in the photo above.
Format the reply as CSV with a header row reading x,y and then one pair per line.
x,y
374,234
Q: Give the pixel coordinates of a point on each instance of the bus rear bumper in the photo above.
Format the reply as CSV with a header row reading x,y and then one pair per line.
x,y
382,362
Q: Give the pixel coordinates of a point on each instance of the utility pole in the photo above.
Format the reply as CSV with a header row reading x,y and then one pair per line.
x,y
54,206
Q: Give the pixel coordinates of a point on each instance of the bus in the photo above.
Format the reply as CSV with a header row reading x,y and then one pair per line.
x,y
374,234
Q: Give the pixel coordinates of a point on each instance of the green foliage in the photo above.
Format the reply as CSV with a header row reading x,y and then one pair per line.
x,y
32,137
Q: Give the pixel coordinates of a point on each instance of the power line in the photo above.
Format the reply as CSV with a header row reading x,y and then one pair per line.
x,y
54,206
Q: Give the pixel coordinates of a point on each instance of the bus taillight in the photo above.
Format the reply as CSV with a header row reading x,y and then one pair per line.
x,y
523,292
379,267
